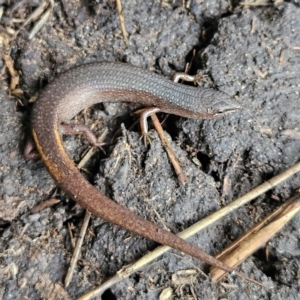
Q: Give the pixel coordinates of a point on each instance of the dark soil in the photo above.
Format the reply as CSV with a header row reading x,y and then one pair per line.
x,y
251,54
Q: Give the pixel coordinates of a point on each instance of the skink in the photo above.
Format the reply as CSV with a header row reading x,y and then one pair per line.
x,y
88,84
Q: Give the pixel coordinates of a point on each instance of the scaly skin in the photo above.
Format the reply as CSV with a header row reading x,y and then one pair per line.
x,y
93,83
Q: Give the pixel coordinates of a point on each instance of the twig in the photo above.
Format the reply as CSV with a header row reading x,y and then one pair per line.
x,y
38,25
35,15
258,226
168,148
256,240
23,230
87,217
13,73
121,18
205,222
72,240
76,252
44,205
256,3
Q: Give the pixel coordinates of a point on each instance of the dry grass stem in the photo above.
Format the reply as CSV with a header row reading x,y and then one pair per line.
x,y
122,24
149,257
258,226
76,252
256,239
